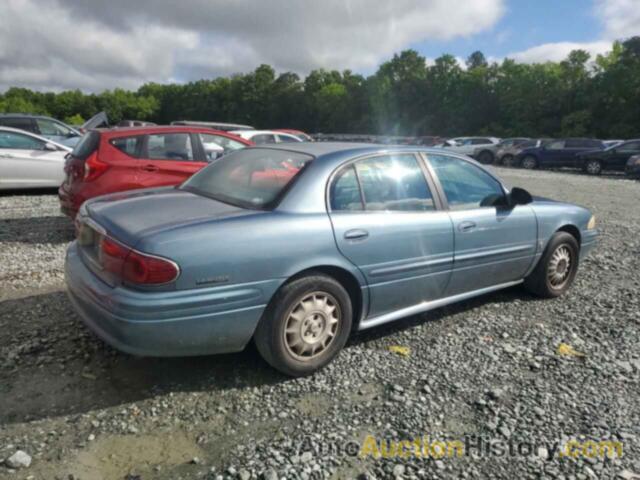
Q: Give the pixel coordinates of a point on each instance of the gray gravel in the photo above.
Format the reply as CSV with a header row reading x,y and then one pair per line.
x,y
487,367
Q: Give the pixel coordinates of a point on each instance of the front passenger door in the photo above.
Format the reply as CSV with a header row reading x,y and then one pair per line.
x,y
493,244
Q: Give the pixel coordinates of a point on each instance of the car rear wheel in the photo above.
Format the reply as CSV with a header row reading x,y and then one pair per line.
x,y
507,160
305,326
557,268
529,162
593,167
485,157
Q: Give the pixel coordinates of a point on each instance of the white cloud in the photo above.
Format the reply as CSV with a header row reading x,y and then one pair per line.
x,y
556,52
621,18
104,44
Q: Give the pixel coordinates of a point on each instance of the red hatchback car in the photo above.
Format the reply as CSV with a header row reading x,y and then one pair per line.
x,y
113,160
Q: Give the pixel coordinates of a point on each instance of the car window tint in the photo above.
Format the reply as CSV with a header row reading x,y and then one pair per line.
x,y
480,141
345,191
263,138
629,147
465,185
20,123
216,145
394,183
557,145
287,139
128,145
575,143
51,128
170,146
19,142
251,177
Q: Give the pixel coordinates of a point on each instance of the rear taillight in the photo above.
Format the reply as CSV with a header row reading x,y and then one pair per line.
x,y
93,167
136,267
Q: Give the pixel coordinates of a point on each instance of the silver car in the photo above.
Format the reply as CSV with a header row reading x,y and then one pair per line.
x,y
468,145
30,161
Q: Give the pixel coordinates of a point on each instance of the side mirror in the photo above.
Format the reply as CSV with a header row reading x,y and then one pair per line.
x,y
50,147
519,196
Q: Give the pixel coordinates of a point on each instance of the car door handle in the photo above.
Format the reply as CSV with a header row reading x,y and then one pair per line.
x,y
357,234
149,168
466,226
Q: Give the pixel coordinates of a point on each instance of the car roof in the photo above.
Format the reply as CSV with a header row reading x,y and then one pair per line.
x,y
27,115
33,135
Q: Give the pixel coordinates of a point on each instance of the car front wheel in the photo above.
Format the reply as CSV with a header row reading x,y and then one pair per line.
x,y
557,268
593,167
305,325
485,157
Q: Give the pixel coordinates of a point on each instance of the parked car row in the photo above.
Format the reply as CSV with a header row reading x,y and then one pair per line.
x,y
587,154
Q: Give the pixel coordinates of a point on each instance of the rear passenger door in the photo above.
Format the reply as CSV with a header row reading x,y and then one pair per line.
x,y
388,222
169,158
553,154
494,244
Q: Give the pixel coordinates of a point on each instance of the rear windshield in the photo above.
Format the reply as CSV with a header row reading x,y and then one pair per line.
x,y
250,178
86,146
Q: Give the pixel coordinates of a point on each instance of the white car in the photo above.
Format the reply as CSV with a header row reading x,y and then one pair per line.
x,y
266,136
30,161
468,145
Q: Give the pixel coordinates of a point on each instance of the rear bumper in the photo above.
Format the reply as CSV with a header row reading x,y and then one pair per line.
x,y
166,324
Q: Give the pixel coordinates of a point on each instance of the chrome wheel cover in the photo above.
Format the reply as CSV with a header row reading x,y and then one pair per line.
x,y
559,268
312,325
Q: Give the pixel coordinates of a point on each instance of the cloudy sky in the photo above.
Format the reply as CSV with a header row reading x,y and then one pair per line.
x,y
98,44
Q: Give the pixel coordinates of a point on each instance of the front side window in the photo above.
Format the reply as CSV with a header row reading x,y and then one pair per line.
x,y
251,178
128,145
216,145
53,129
557,145
394,183
11,140
629,147
465,185
288,139
170,146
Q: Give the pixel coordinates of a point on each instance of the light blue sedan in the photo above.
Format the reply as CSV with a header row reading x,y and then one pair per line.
x,y
296,247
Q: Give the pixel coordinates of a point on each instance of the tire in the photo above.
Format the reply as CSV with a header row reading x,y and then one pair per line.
x,y
593,167
318,300
485,157
529,162
507,160
549,279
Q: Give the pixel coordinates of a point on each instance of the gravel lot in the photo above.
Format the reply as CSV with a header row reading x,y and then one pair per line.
x,y
487,367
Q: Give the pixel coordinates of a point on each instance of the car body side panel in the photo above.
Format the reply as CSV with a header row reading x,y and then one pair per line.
x,y
406,258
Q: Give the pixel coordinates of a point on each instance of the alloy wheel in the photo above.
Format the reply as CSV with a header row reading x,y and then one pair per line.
x,y
593,167
529,163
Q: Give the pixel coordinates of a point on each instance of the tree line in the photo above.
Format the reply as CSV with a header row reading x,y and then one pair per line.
x,y
580,96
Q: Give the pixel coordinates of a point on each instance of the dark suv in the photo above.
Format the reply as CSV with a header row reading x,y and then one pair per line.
x,y
611,158
558,153
50,128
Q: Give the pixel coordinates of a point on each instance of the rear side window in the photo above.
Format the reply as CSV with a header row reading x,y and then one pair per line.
x,y
20,123
557,145
394,183
577,144
16,141
129,145
263,138
287,139
170,146
345,191
87,145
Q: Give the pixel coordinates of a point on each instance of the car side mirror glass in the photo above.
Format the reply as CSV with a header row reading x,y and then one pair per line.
x,y
519,196
50,147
